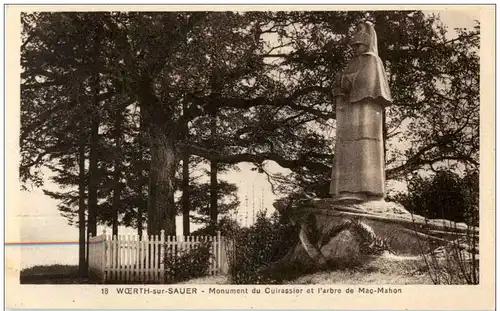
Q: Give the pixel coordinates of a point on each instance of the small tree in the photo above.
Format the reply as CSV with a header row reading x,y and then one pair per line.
x,y
265,242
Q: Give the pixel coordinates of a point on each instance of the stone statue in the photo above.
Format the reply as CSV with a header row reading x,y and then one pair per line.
x,y
357,224
358,173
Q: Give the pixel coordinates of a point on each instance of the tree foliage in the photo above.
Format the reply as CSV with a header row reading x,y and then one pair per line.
x,y
254,248
444,195
268,75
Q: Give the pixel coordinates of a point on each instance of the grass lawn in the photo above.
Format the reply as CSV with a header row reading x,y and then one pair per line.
x,y
212,280
383,270
53,274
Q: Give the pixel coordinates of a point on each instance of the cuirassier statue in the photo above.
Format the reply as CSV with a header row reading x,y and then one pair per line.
x,y
356,225
362,93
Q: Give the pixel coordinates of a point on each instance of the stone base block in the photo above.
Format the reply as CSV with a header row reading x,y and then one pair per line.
x,y
406,233
337,234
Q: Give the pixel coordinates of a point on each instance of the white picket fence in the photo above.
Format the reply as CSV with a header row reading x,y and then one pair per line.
x,y
126,258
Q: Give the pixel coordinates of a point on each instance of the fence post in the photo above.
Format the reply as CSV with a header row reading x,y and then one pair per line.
x,y
213,240
112,258
103,255
154,257
223,255
162,253
219,253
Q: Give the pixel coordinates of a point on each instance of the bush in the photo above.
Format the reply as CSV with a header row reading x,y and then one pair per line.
x,y
445,195
188,264
254,248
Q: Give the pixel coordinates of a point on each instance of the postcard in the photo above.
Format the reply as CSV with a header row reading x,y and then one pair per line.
x,y
250,157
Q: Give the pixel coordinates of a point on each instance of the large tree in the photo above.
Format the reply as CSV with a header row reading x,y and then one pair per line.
x,y
267,75
54,108
434,80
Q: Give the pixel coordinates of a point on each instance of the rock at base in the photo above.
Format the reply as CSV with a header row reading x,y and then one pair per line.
x,y
343,249
339,235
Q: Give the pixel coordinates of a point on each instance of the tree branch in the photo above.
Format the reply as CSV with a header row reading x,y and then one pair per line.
x,y
276,55
26,129
38,159
200,103
413,163
465,36
257,158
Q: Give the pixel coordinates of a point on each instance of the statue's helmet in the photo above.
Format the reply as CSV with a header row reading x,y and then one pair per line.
x,y
365,34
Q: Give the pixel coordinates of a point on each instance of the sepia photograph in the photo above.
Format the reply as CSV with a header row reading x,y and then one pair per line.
x,y
271,147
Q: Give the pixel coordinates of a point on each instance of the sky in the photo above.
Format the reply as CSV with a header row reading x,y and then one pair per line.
x,y
41,221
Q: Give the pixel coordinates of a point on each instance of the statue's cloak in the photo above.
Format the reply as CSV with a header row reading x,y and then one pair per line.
x,y
358,168
364,78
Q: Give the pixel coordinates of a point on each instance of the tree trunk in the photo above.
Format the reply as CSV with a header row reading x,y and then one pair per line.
x,y
140,211
163,135
161,207
93,175
82,260
141,207
213,195
116,200
94,139
118,132
186,230
213,164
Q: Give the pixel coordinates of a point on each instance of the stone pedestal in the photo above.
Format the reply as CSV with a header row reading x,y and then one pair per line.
x,y
337,235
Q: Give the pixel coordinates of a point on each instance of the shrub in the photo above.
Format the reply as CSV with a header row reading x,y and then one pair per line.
x,y
445,195
256,247
188,264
